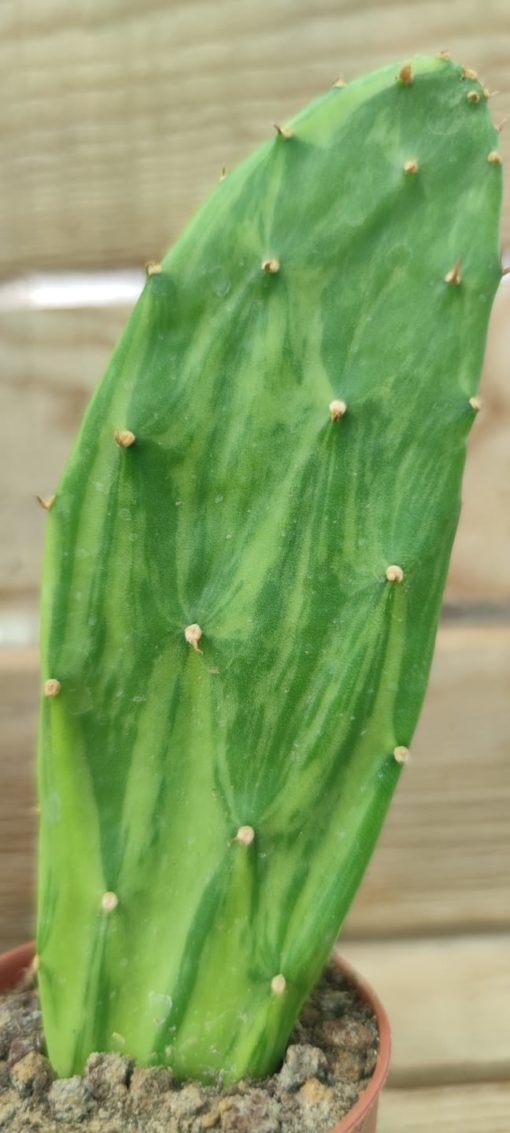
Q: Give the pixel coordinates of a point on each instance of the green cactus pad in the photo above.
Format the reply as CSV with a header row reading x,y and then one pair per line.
x,y
295,384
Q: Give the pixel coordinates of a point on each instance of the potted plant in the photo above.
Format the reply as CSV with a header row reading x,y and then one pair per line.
x,y
244,569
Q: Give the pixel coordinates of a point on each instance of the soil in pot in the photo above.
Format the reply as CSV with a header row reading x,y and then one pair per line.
x,y
329,1061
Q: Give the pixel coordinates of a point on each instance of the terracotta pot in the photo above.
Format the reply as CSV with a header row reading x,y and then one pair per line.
x,y
362,1117
14,963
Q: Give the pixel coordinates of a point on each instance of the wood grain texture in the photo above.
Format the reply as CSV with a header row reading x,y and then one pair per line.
x,y
449,1005
442,863
117,118
481,556
480,1108
51,361
18,722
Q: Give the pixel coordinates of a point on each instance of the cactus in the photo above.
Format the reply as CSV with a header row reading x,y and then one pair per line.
x,y
244,568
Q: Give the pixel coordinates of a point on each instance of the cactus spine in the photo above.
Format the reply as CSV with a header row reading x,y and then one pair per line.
x,y
241,594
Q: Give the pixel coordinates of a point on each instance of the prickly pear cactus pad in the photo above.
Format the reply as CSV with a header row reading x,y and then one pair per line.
x,y
244,568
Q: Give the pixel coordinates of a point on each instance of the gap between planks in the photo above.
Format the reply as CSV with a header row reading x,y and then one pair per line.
x,y
448,1001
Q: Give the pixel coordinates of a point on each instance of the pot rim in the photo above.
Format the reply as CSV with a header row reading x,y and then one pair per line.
x,y
14,962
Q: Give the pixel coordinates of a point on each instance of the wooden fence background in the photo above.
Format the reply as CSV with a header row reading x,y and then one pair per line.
x,y
116,120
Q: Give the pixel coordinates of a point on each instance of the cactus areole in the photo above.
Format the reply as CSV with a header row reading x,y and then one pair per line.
x,y
244,568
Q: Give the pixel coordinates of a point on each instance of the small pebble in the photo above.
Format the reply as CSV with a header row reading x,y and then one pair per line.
x,y
149,1082
314,1092
370,1062
252,1111
107,1075
9,1104
346,1033
6,1031
19,1049
104,1125
187,1102
32,1075
310,1016
346,1094
302,1061
209,1120
70,1099
334,1002
319,1106
349,1065
20,1024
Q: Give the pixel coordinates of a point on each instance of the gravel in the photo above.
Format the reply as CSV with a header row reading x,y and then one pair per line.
x,y
328,1063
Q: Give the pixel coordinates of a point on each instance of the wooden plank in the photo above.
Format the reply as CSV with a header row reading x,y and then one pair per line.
x,y
18,716
448,1000
51,360
481,1108
480,562
442,863
117,118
